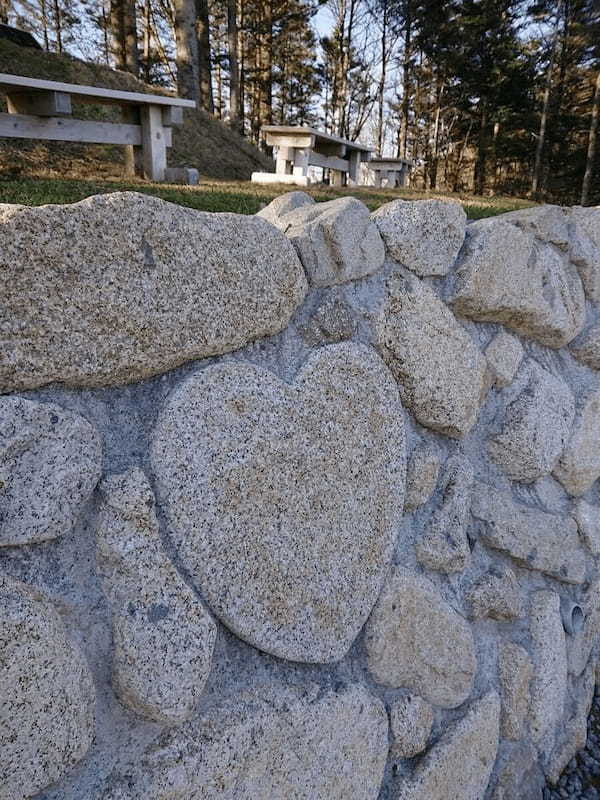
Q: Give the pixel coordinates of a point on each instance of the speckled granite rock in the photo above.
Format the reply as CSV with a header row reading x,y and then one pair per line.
x,y
421,475
303,481
171,285
586,348
336,240
536,425
283,204
444,545
504,355
587,517
579,465
549,654
423,235
584,228
163,638
496,595
583,640
505,275
515,670
534,539
411,720
572,736
47,712
50,462
459,765
332,322
519,776
549,223
441,373
414,639
271,743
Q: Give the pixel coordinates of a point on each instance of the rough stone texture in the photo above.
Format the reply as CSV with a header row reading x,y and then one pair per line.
x,y
518,777
584,229
303,481
574,734
515,670
47,710
421,475
549,654
582,642
579,465
283,204
423,235
172,285
586,348
441,373
496,595
548,223
504,355
459,765
536,426
273,743
163,638
336,240
50,462
411,720
414,639
587,517
444,545
534,539
505,275
332,322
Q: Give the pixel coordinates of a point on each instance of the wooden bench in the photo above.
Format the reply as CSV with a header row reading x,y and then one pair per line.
x,y
298,148
394,171
40,109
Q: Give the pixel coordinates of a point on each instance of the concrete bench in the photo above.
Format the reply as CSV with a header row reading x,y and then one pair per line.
x,y
394,171
298,148
40,109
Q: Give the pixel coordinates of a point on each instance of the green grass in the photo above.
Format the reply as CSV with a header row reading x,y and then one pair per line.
x,y
240,197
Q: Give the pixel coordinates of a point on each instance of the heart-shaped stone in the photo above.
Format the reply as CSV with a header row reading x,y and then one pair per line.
x,y
284,500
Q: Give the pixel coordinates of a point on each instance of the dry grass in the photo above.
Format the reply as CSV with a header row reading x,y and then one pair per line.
x,y
241,197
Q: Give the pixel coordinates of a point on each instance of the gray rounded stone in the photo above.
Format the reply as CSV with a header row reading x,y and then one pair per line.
x,y
123,286
47,708
411,720
272,742
423,235
50,462
284,500
415,640
163,637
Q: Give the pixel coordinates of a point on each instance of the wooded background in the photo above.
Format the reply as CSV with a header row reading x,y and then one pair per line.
x,y
489,96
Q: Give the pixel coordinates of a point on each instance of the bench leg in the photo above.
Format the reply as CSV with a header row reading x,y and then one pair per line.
x,y
337,177
354,171
154,143
301,159
283,164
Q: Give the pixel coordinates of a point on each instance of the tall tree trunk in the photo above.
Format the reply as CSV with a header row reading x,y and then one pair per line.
x,y
406,60
123,23
186,49
234,70
242,67
44,12
203,33
436,135
147,39
554,116
266,66
591,152
382,80
541,142
343,122
4,9
124,35
58,26
482,147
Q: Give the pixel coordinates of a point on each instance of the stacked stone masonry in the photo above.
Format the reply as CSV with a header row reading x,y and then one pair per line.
x,y
301,506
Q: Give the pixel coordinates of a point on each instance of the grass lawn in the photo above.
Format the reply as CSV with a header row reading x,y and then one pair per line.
x,y
241,197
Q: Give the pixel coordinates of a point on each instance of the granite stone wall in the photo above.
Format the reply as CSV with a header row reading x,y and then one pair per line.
x,y
299,506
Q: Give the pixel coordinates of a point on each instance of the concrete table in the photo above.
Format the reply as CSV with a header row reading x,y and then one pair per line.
x,y
298,148
40,109
394,170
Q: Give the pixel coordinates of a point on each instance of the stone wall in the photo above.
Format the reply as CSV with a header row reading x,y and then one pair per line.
x,y
303,505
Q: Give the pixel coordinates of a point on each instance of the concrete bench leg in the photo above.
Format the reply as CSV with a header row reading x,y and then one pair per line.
x,y
337,177
301,160
154,143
